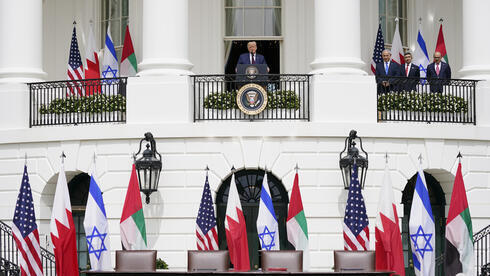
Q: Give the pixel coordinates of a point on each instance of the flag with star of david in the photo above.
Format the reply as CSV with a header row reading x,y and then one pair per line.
x,y
110,66
267,227
356,230
96,229
422,229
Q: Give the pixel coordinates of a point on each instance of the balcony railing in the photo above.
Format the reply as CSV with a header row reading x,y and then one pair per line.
x,y
9,255
77,102
215,97
422,100
481,244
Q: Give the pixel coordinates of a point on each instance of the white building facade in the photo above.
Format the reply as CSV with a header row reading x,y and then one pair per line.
x,y
173,40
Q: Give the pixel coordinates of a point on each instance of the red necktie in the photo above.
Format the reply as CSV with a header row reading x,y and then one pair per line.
x,y
253,58
406,70
437,69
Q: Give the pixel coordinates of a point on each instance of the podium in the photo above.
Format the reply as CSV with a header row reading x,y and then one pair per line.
x,y
251,73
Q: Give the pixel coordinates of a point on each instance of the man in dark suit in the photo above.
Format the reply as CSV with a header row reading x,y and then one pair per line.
x,y
411,72
387,69
252,57
438,74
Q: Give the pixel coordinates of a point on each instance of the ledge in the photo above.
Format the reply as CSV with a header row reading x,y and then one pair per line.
x,y
246,129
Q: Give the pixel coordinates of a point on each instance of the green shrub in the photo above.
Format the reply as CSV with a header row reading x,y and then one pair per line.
x,y
286,99
427,102
161,264
92,104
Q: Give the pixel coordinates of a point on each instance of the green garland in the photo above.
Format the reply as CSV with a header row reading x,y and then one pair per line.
x,y
285,99
427,102
92,104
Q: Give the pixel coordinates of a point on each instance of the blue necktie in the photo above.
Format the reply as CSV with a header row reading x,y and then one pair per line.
x,y
386,68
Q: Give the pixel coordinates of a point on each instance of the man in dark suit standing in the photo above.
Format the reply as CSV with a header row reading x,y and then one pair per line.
x,y
387,69
252,57
411,72
438,73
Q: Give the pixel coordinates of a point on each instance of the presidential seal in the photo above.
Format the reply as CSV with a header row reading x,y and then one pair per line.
x,y
251,72
251,99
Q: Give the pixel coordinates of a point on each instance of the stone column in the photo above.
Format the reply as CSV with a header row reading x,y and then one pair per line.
x,y
165,38
476,56
338,37
21,35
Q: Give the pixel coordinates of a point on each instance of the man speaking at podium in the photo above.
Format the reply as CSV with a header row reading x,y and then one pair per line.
x,y
251,57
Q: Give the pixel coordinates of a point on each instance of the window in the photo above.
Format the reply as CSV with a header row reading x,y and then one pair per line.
x,y
388,11
253,17
249,185
115,12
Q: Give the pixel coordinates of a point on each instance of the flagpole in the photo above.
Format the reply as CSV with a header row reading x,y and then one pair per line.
x,y
25,160
207,171
63,156
296,168
459,156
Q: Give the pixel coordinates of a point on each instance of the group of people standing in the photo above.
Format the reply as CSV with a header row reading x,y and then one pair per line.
x,y
408,74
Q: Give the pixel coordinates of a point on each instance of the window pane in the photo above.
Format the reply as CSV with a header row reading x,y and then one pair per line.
x,y
403,31
392,8
105,9
114,9
254,25
382,7
234,22
272,3
272,24
124,23
233,3
116,32
390,30
253,3
125,8
402,8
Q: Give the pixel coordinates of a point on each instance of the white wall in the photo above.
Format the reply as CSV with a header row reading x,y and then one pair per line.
x,y
188,148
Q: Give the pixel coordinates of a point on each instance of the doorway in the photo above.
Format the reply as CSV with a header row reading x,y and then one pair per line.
x,y
438,204
270,49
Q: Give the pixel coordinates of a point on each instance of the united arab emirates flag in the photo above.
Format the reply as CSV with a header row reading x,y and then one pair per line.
x,y
297,228
459,256
133,229
129,66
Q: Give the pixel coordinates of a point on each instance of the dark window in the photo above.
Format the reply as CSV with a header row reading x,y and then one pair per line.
x,y
249,185
438,204
78,188
268,48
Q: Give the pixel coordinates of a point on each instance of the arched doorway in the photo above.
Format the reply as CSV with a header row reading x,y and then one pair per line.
x,y
78,187
438,204
249,185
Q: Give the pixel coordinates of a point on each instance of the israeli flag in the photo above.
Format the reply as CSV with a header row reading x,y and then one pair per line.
x,y
110,66
267,227
422,229
421,56
97,230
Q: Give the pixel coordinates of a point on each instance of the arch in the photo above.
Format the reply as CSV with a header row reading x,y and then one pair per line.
x,y
249,185
438,204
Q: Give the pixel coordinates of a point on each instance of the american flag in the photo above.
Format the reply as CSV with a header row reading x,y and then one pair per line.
x,y
25,232
207,237
75,65
379,46
356,231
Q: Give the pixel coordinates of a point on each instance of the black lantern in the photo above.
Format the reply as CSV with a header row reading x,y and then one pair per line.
x,y
351,157
148,166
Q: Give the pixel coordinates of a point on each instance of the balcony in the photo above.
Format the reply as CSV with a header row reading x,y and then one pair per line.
x,y
288,97
214,99
77,102
422,100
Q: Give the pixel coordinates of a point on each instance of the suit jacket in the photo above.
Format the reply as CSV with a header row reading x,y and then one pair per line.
x,y
245,59
393,71
411,81
437,81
